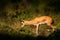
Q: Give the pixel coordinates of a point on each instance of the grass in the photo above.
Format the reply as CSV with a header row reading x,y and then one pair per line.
x,y
11,24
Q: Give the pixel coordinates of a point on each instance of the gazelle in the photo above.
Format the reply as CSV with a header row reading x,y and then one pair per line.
x,y
38,21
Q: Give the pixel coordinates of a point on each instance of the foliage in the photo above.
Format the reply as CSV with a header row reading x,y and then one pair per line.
x,y
12,11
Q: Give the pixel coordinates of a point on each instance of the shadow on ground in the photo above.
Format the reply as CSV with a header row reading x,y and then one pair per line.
x,y
53,36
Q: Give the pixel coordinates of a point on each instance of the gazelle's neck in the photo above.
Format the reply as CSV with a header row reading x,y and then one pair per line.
x,y
27,22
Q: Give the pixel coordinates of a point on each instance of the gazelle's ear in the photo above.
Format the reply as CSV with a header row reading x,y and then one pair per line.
x,y
22,21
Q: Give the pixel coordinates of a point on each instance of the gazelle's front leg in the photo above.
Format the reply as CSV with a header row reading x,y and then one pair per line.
x,y
37,29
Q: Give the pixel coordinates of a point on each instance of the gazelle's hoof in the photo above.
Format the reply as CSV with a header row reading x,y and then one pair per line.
x,y
48,30
37,34
53,30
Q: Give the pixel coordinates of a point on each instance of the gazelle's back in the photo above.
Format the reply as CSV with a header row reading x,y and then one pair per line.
x,y
42,19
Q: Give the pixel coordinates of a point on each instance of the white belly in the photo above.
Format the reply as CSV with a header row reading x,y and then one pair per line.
x,y
43,22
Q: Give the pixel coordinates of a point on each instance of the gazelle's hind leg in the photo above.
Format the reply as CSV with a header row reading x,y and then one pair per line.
x,y
51,26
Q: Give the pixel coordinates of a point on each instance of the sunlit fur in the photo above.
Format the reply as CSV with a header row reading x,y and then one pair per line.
x,y
39,20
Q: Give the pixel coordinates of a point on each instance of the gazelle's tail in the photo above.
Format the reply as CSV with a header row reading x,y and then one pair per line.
x,y
52,21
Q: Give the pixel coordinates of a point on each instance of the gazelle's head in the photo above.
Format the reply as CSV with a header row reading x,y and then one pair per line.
x,y
22,21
